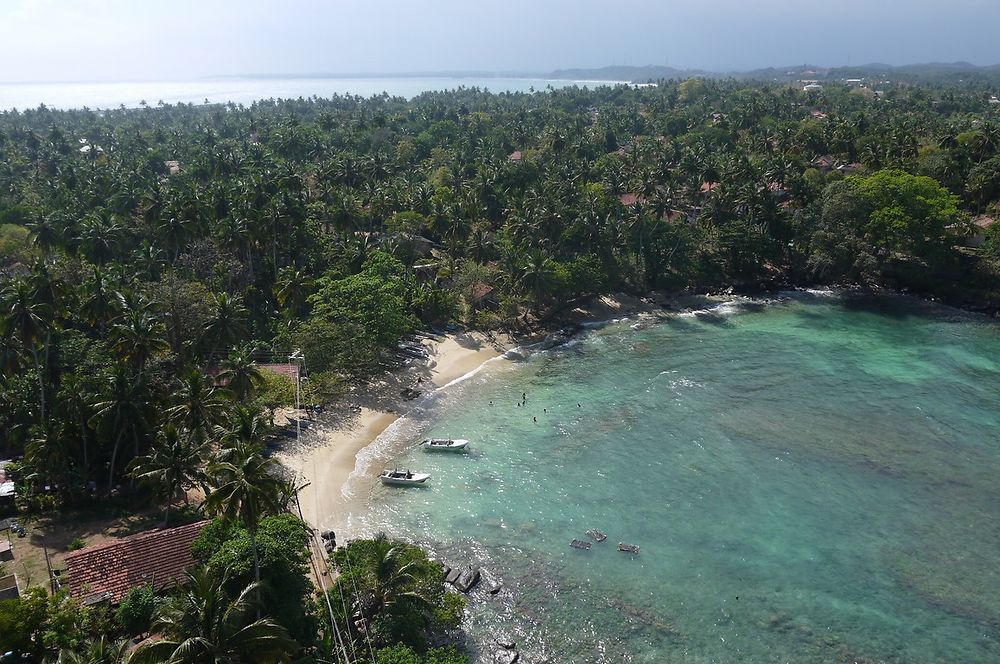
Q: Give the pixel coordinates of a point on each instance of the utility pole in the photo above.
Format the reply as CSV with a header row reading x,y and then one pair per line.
x,y
48,566
300,361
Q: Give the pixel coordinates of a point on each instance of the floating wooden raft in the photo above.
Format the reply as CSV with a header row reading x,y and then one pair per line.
x,y
580,544
628,548
597,535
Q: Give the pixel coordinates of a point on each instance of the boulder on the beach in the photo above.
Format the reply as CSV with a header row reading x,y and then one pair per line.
x,y
467,580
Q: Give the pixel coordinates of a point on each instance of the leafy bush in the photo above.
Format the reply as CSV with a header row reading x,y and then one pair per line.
x,y
76,544
275,390
38,624
135,613
365,314
402,654
398,591
282,547
15,244
991,247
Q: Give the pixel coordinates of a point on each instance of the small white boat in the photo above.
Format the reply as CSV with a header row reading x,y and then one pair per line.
x,y
403,477
445,443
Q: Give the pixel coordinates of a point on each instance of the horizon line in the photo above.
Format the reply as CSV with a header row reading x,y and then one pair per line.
x,y
481,73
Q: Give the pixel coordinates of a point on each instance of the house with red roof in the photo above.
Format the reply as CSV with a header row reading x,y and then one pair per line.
x,y
105,572
979,226
631,199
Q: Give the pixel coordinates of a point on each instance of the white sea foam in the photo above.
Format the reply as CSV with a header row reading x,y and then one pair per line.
x,y
727,308
822,292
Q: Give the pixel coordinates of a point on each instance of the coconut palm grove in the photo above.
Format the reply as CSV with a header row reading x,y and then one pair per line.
x,y
153,259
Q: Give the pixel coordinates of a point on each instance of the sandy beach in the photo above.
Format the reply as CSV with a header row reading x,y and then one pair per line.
x,y
327,455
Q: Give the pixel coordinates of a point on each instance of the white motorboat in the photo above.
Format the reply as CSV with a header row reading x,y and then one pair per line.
x,y
403,477
445,444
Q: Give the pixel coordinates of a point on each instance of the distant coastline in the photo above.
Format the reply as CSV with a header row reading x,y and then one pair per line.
x,y
247,90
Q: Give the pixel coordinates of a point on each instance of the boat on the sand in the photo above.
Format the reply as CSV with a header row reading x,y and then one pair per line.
x,y
403,477
445,444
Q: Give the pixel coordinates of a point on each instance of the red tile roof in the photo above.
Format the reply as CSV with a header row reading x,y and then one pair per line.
x,y
515,155
983,221
157,556
631,199
824,162
289,370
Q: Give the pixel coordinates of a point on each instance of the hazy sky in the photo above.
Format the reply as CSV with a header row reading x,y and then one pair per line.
x,y
141,39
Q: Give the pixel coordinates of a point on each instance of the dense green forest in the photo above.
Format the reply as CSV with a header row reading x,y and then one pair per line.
x,y
146,248
147,253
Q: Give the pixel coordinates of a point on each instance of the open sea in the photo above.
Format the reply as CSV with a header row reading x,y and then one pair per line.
x,y
248,90
815,479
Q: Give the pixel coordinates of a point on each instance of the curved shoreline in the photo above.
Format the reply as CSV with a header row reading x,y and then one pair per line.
x,y
330,456
327,457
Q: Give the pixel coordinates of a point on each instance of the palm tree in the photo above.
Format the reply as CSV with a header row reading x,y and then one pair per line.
x,y
246,489
46,234
240,373
98,651
292,289
175,464
199,406
227,325
138,336
536,275
28,320
121,410
393,580
73,406
203,626
97,301
244,426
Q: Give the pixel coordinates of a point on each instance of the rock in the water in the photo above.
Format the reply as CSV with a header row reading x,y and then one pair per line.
x,y
506,645
467,580
452,576
507,657
328,535
495,589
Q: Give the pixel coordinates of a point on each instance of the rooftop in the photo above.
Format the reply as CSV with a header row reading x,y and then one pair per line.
x,y
109,570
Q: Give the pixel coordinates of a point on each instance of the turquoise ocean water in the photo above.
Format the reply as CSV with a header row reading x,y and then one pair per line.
x,y
812,480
